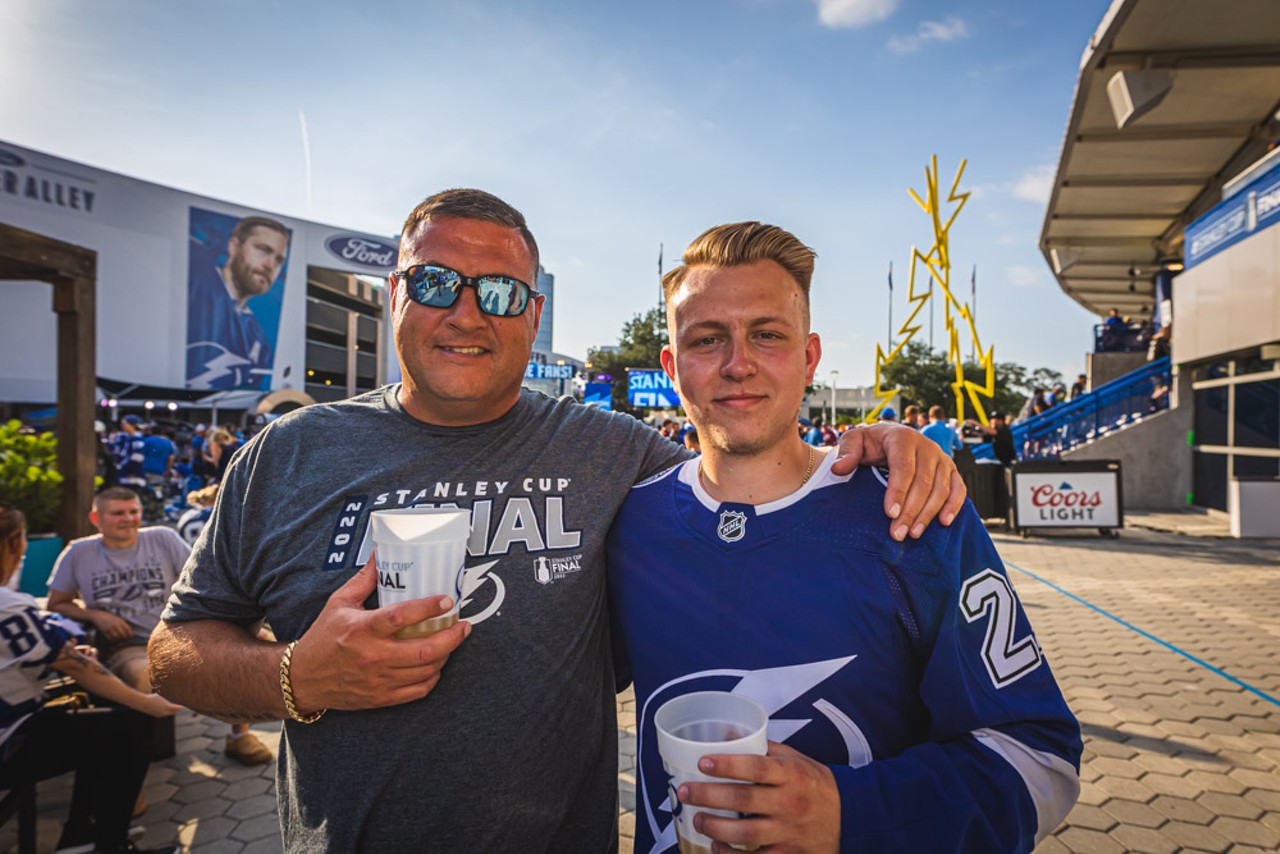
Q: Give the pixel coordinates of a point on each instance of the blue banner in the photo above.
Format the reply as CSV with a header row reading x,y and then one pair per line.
x,y
539,371
599,395
651,388
1255,207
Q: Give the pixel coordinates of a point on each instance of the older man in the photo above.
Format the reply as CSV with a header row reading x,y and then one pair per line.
x,y
514,749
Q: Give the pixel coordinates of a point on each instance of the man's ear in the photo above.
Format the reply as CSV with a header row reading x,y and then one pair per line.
x,y
537,313
397,292
668,359
812,355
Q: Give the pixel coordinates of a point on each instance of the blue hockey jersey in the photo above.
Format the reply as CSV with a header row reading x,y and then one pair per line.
x,y
908,668
226,346
30,641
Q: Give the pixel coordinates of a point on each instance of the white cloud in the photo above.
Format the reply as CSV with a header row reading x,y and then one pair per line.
x,y
930,31
854,13
1036,184
1024,276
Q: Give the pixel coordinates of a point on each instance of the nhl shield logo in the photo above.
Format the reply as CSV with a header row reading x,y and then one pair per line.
x,y
733,524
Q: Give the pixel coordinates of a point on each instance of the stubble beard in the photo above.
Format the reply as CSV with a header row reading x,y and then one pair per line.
x,y
242,278
732,443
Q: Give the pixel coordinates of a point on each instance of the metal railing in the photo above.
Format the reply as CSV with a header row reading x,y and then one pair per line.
x,y
1123,338
1109,407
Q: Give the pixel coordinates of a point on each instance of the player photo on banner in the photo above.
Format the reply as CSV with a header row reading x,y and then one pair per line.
x,y
235,289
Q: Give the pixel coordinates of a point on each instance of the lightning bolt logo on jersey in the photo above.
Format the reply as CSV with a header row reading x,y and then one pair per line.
x,y
909,669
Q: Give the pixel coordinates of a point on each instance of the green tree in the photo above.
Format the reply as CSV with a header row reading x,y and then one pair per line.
x,y
639,346
924,378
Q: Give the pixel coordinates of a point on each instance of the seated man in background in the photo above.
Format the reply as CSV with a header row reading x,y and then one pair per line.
x,y
124,575
39,740
911,708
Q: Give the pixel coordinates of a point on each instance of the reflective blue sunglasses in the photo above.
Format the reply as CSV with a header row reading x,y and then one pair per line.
x,y
439,287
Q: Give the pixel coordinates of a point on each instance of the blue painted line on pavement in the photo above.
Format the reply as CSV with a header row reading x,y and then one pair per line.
x,y
1182,652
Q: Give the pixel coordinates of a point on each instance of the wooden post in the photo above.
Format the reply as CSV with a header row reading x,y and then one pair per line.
x,y
72,271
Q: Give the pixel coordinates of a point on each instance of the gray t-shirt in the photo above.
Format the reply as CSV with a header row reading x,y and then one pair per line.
x,y
132,583
515,749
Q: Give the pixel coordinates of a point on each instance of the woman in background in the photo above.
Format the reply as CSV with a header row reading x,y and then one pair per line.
x,y
107,747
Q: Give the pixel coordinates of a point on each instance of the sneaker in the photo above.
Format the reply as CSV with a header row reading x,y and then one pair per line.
x,y
248,750
75,841
77,848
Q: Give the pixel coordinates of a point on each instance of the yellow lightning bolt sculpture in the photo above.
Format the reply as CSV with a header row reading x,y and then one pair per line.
x,y
938,263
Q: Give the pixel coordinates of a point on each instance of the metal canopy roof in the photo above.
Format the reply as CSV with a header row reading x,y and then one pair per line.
x,y
1122,197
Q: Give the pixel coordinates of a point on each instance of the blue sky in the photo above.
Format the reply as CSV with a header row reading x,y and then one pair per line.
x,y
614,126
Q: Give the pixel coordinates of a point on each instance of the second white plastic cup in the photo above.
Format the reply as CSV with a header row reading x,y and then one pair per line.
x,y
696,725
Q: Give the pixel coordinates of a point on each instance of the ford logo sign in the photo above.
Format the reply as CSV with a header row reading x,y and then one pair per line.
x,y
8,158
364,251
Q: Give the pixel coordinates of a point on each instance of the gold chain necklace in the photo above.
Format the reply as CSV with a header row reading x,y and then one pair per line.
x,y
808,472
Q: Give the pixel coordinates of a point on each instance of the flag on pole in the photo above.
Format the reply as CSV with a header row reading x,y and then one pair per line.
x,y
890,338
662,295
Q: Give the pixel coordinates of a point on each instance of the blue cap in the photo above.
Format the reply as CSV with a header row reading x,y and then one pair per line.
x,y
887,414
132,419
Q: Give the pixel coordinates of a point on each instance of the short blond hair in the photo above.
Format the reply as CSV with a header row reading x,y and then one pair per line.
x,y
739,243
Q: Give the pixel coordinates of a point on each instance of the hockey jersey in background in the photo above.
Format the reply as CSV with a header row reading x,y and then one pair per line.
x,y
30,640
908,668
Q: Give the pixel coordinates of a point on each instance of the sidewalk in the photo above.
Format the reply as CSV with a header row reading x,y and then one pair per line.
x,y
1178,756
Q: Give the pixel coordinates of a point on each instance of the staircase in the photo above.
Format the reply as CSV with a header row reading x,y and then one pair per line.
x,y
1114,406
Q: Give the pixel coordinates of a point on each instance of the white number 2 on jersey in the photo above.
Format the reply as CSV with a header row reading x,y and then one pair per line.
x,y
1008,660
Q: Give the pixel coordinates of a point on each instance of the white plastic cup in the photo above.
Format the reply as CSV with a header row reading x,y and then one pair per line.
x,y
696,725
420,552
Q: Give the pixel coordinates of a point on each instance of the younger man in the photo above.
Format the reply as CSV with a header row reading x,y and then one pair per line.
x,y
911,708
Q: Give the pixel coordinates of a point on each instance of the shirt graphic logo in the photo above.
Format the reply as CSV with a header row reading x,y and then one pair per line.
x,y
550,569
733,524
474,592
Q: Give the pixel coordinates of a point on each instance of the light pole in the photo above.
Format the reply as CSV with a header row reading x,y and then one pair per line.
x,y
834,374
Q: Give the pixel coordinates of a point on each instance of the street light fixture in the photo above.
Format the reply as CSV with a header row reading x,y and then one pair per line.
x,y
834,374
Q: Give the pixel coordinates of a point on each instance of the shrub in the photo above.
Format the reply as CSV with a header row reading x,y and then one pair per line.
x,y
29,478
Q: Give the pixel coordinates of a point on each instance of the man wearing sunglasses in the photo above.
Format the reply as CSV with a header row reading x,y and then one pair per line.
x,y
516,748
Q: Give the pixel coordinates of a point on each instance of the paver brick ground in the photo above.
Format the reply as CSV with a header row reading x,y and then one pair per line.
x,y
1177,756
1181,756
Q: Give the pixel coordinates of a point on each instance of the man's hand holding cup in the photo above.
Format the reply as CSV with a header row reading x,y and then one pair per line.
x,y
355,658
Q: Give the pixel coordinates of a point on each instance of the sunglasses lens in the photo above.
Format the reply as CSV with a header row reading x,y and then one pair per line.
x,y
433,286
502,297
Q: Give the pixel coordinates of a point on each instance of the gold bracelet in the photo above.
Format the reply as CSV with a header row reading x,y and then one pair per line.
x,y
286,688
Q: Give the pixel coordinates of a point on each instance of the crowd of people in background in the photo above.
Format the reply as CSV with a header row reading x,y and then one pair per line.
x,y
1123,334
165,463
106,592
